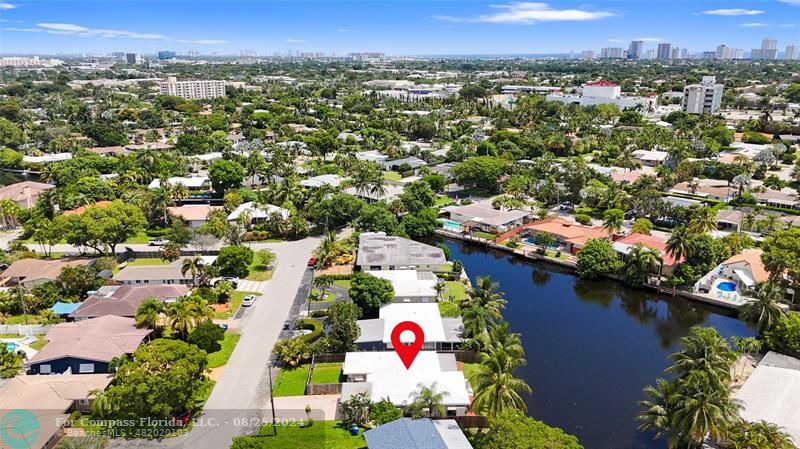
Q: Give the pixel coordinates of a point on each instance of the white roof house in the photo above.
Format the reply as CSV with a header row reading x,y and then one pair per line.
x,y
47,158
650,157
390,192
257,212
436,329
194,182
372,156
410,285
208,157
772,394
321,180
382,375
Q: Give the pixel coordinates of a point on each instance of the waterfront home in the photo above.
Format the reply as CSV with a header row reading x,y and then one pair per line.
x,y
624,245
322,180
410,285
47,158
440,333
377,251
87,346
191,183
482,216
155,274
422,433
569,235
734,277
44,403
25,193
382,375
258,213
123,300
32,272
195,215
772,394
388,193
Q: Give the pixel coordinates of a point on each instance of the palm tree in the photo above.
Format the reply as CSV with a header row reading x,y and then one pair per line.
x,y
702,413
439,287
770,222
322,283
497,391
9,211
703,221
10,362
196,266
148,314
185,314
613,197
704,351
485,295
757,435
612,220
329,249
657,411
766,310
639,262
746,347
742,181
510,342
749,221
102,404
428,399
179,192
679,244
476,320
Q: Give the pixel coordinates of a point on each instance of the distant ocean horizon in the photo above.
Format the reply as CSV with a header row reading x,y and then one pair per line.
x,y
498,56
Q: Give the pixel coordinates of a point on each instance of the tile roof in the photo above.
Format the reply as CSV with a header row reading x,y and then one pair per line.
x,y
82,209
123,300
19,191
41,268
569,231
752,258
197,212
649,241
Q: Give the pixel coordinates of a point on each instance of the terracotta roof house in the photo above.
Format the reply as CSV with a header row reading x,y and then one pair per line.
x,y
123,300
569,234
82,209
32,272
749,263
109,151
44,402
624,245
87,346
24,193
194,215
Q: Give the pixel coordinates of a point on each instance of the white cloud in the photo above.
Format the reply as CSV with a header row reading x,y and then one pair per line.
x,y
202,41
294,41
4,5
733,12
616,40
753,25
346,30
788,25
527,13
791,2
82,31
650,39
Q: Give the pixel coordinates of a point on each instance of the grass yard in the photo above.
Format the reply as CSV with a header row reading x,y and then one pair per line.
x,y
291,382
148,261
258,272
552,254
442,200
393,175
38,344
141,237
21,319
329,297
219,358
454,291
469,368
485,235
233,305
343,283
321,435
326,373
449,309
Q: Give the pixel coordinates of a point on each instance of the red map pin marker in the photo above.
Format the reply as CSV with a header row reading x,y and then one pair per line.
x,y
407,353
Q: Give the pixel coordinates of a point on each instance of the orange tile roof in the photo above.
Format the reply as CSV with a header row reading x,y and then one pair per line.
x,y
751,257
650,242
571,232
82,209
193,213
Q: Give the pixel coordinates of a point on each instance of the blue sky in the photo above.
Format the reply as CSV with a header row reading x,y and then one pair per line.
x,y
413,27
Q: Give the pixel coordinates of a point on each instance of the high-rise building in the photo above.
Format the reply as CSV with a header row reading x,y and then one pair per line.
x,y
166,54
768,50
635,50
612,53
131,58
587,54
118,54
723,52
791,53
703,98
651,53
193,90
664,51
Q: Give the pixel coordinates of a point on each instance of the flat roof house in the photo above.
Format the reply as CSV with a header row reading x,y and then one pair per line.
x,y
32,272
258,213
123,300
411,161
410,285
378,375
192,183
195,215
154,274
422,433
440,333
486,218
389,193
87,346
650,158
322,180
377,251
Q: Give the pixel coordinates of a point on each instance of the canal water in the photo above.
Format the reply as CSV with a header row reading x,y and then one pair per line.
x,y
591,346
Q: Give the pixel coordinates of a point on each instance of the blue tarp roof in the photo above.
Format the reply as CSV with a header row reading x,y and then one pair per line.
x,y
65,308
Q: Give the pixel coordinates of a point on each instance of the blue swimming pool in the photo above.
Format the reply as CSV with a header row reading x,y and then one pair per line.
x,y
727,286
11,346
450,225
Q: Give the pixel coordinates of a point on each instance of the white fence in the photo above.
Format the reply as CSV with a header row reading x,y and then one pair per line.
x,y
24,329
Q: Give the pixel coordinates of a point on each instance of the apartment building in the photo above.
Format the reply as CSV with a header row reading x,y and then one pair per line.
x,y
703,98
193,89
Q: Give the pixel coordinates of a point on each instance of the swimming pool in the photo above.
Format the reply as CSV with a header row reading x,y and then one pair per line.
x,y
450,225
727,286
11,346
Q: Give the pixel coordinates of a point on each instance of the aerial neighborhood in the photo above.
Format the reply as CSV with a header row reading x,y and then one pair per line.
x,y
598,250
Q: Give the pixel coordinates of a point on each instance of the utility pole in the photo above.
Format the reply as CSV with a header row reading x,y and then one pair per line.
x,y
22,301
272,399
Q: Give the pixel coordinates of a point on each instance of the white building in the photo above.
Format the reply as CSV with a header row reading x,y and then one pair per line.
x,y
258,213
703,98
193,89
192,183
410,285
440,333
25,61
604,92
791,53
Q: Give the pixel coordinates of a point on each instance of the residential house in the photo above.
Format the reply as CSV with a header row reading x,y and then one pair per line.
x,y
772,394
422,433
258,213
124,300
24,193
195,215
440,333
785,198
389,193
382,375
372,156
410,285
82,209
47,158
191,183
154,274
87,346
444,169
571,236
109,151
734,277
322,180
377,251
712,189
650,158
412,162
624,246
45,402
484,217
32,272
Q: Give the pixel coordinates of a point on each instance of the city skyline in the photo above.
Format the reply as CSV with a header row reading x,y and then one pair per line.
x,y
399,28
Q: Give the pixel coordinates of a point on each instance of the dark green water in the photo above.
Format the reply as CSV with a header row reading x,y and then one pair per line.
x,y
591,345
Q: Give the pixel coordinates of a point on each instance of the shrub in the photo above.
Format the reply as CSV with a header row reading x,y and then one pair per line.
x,y
207,336
314,326
583,211
583,219
784,337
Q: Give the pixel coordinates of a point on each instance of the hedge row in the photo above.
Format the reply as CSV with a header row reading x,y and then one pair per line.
x,y
314,326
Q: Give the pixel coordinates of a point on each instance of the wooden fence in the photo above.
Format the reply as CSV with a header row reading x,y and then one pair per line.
x,y
323,388
472,421
312,389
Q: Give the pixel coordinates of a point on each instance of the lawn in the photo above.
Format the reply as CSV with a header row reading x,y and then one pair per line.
x,y
485,235
393,175
552,254
258,271
329,297
442,200
38,344
233,305
321,435
326,373
454,290
141,237
343,283
219,358
147,261
469,368
449,309
291,382
21,319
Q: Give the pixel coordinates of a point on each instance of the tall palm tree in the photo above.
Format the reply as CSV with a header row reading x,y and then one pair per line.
x,y
703,412
439,287
476,320
194,265
9,211
767,308
613,197
497,391
427,400
705,351
148,314
102,405
613,221
639,262
183,316
499,337
322,283
742,181
485,295
657,411
704,220
757,435
679,244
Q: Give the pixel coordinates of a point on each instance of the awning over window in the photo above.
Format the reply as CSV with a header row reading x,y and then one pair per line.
x,y
746,280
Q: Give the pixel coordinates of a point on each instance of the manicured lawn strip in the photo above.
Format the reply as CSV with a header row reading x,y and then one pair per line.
x,y
291,382
236,301
38,344
258,271
449,309
329,297
456,289
326,373
442,200
343,283
470,368
219,358
321,435
552,254
141,237
485,235
20,319
149,261
393,175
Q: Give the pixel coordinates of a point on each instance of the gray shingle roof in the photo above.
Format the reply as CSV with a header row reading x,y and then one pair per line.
x,y
380,249
423,433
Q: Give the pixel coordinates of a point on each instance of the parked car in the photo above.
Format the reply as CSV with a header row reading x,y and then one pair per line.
x,y
287,325
157,242
312,262
248,300
566,206
233,280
